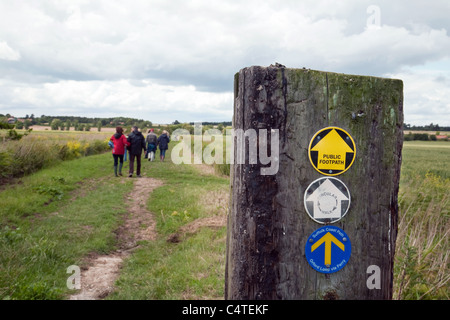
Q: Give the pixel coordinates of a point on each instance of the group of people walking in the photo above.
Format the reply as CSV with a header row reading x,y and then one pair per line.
x,y
134,144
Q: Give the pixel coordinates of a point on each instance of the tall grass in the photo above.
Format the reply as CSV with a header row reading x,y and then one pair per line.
x,y
36,151
422,256
423,248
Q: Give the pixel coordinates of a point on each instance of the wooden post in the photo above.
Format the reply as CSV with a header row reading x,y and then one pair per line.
x,y
268,225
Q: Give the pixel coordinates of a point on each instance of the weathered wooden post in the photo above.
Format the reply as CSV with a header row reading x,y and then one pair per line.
x,y
288,238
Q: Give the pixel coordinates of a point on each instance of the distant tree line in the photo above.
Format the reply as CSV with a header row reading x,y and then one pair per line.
x,y
430,127
91,122
78,123
424,137
81,123
67,123
205,123
94,122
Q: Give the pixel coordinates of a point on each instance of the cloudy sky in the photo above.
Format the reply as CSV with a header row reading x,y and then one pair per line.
x,y
166,60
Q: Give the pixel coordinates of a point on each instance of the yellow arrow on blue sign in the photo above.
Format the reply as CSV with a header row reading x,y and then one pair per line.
x,y
328,238
328,249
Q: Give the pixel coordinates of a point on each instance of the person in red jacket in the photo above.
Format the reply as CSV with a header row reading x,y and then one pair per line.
x,y
120,142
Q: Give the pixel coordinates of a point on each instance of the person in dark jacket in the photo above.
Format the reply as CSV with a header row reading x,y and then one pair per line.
x,y
152,141
163,144
119,142
137,143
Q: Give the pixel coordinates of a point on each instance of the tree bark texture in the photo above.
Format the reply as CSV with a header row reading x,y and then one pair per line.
x,y
268,225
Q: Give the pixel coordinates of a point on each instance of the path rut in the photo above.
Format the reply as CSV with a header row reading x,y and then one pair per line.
x,y
97,281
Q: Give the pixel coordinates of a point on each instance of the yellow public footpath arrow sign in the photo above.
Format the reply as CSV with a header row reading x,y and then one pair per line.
x,y
332,151
328,238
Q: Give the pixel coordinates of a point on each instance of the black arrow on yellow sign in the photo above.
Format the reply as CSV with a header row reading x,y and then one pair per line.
x,y
332,151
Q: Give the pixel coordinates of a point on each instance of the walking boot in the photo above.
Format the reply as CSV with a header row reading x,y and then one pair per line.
x,y
115,171
120,169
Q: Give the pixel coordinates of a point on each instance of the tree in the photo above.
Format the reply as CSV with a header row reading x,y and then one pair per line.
x,y
56,123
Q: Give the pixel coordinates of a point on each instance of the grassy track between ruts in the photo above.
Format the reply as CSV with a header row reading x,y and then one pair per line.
x,y
192,267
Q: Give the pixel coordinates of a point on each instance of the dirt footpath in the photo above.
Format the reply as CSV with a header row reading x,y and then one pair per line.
x,y
98,280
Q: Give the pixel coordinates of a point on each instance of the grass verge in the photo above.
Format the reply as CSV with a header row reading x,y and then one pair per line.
x,y
422,254
51,220
36,151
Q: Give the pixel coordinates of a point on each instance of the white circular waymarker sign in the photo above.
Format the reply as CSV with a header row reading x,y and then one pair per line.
x,y
327,200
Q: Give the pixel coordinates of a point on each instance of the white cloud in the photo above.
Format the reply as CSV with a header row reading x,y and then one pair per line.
x,y
99,54
425,96
7,53
147,100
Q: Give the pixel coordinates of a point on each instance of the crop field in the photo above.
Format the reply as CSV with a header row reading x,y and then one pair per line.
x,y
31,152
422,255
70,208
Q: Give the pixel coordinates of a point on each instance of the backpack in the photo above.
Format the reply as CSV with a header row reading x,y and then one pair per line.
x,y
151,138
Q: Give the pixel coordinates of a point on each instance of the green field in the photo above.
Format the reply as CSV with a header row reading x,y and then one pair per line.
x,y
57,216
422,256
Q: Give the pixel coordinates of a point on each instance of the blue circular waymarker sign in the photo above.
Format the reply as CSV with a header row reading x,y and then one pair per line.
x,y
328,249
